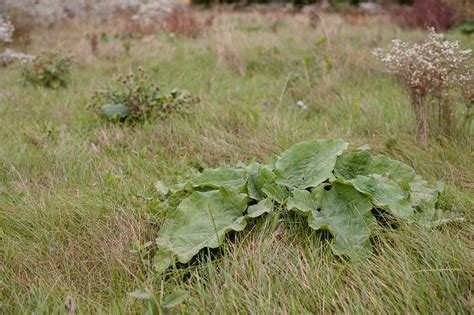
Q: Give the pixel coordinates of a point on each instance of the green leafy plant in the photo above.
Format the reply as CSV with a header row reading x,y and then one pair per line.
x,y
347,194
51,70
137,98
467,27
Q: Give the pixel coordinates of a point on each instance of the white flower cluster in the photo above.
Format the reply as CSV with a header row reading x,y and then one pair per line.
x,y
429,67
9,56
6,30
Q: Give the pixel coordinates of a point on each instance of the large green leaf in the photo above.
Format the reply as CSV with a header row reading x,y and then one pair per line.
x,y
258,176
308,164
423,199
222,176
200,221
362,162
436,217
304,200
385,193
271,163
115,111
214,178
263,206
276,192
163,259
343,211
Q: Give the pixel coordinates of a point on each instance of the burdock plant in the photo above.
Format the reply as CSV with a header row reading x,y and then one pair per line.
x,y
136,97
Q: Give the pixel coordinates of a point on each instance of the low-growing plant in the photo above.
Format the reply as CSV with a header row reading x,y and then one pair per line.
x,y
430,71
136,97
51,70
467,27
346,195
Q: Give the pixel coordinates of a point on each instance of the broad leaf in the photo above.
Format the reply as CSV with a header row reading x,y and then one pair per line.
x,y
272,161
142,295
308,164
200,221
276,192
212,178
423,199
263,206
222,176
343,211
163,259
115,111
258,176
304,200
385,194
161,188
436,217
362,162
183,185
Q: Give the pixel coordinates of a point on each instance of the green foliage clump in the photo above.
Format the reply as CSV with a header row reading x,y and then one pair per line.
x,y
51,70
346,194
137,98
467,27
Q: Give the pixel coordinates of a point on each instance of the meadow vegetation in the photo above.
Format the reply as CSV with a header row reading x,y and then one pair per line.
x,y
79,206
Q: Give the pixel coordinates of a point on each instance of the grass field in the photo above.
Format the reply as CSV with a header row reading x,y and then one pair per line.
x,y
76,192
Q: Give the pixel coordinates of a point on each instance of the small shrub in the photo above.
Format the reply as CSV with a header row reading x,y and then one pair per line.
x,y
137,98
51,70
429,71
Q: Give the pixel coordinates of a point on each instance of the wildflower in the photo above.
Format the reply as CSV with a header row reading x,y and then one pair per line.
x,y
427,71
